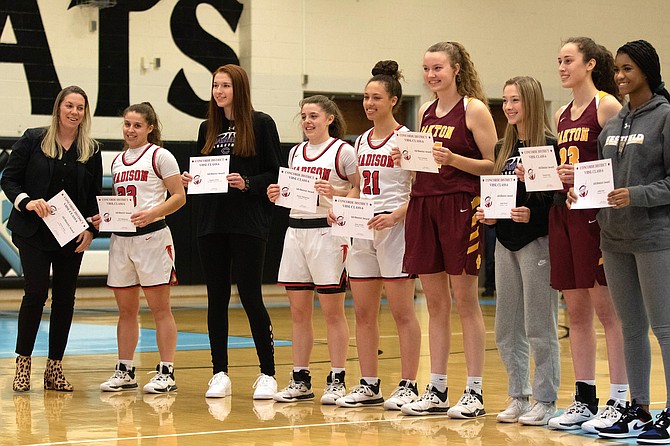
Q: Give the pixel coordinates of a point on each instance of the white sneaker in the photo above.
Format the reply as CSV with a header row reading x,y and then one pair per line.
x,y
219,386
539,414
266,387
432,402
335,388
163,381
470,405
573,417
606,417
516,408
362,395
403,394
299,389
122,379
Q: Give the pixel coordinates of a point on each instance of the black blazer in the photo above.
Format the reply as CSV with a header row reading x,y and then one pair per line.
x,y
29,171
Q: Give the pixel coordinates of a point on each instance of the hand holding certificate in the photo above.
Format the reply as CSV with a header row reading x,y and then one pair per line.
x,y
296,190
498,194
209,174
352,216
540,166
593,182
115,212
64,220
416,151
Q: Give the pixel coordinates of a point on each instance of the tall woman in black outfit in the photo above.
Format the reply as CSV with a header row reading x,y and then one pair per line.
x,y
43,162
233,227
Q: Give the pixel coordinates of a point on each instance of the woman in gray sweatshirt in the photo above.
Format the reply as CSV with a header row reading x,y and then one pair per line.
x,y
635,231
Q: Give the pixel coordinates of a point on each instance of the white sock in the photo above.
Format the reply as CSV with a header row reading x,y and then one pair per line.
x,y
126,362
298,368
619,392
371,380
169,365
475,383
438,381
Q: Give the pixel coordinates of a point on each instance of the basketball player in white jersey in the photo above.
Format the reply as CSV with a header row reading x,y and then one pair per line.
x,y
144,171
373,264
313,259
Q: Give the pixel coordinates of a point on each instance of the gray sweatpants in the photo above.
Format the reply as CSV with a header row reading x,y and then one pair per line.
x,y
527,320
640,287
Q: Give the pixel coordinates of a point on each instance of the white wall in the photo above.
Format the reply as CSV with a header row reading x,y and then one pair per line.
x,y
335,44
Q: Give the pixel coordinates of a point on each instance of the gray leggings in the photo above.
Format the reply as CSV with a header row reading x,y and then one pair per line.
x,y
527,319
640,287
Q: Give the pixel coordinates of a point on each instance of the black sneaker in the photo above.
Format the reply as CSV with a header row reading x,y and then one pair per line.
x,y
632,423
660,432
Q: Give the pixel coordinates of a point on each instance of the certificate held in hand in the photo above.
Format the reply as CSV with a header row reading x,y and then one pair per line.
x,y
352,216
64,220
115,212
297,190
416,151
209,174
593,182
498,194
540,165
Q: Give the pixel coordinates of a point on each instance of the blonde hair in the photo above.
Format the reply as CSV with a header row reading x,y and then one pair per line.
x,y
467,79
86,146
535,120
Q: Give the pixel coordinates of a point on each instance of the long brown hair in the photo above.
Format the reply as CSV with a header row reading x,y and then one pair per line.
x,y
535,120
603,73
467,79
243,112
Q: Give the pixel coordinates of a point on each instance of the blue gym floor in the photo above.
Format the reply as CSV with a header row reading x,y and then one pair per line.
x,y
88,339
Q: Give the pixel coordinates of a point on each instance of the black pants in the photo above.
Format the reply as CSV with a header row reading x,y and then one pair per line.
x,y
240,258
36,264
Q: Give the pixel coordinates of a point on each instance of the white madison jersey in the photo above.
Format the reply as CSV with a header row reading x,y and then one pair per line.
x,y
388,186
139,173
333,160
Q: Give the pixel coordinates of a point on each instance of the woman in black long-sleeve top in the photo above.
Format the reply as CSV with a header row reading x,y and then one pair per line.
x,y
233,228
43,162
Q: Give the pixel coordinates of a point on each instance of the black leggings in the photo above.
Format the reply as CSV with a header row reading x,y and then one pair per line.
x,y
36,264
240,257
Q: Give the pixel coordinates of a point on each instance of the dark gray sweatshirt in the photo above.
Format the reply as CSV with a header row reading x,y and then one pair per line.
x,y
638,143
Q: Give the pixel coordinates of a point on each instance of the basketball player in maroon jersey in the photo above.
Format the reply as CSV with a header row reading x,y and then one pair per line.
x,y
443,239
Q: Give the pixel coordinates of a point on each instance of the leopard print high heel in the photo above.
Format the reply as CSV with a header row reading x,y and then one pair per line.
x,y
22,378
54,378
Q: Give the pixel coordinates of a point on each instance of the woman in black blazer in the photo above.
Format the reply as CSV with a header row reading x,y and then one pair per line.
x,y
43,162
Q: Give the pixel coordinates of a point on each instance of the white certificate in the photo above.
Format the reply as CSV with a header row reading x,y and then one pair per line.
x,y
498,195
64,220
352,216
593,182
297,190
209,174
115,213
540,166
416,151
